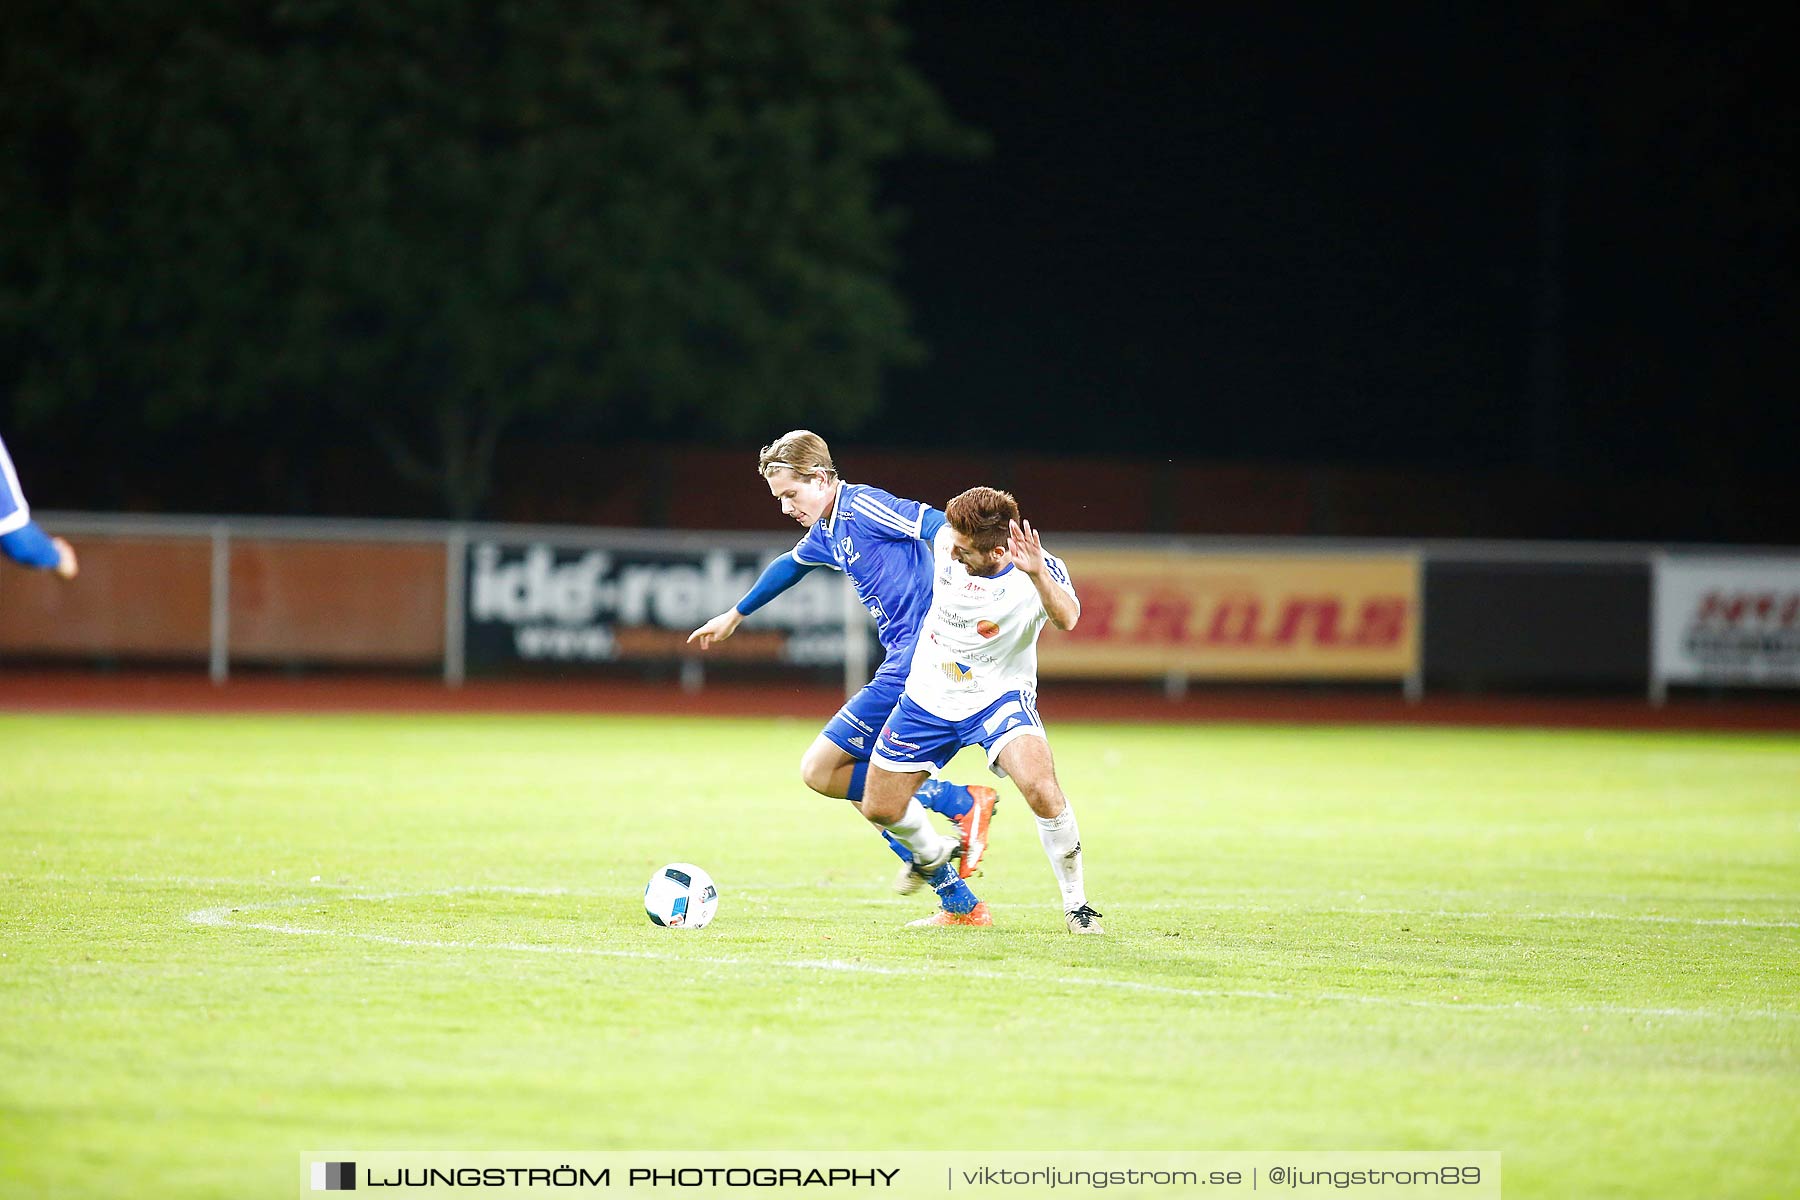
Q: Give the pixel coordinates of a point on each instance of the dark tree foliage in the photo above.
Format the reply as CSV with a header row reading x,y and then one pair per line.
x,y
434,220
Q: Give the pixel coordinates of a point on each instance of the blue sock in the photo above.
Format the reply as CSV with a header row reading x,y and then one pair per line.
x,y
945,798
897,846
953,891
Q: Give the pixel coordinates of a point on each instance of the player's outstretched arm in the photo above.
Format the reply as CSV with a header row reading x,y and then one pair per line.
x,y
717,629
776,578
30,546
1027,550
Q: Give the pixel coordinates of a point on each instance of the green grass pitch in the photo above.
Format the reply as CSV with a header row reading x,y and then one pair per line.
x,y
230,939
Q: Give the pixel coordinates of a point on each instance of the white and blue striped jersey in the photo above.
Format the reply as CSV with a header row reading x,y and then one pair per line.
x,y
883,543
14,512
980,641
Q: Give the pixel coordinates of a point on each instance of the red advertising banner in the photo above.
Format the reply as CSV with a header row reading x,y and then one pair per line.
x,y
1238,617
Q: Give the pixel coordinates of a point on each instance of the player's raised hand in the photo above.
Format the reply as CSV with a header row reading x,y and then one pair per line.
x,y
717,629
1025,546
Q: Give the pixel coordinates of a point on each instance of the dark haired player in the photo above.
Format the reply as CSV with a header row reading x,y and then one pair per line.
x,y
974,682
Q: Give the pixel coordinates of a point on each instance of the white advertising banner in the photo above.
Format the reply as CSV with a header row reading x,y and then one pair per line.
x,y
1728,621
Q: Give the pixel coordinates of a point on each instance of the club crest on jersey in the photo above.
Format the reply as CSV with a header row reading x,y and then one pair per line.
x,y
986,629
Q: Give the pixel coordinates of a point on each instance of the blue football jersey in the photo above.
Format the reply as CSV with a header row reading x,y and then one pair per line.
x,y
883,543
15,513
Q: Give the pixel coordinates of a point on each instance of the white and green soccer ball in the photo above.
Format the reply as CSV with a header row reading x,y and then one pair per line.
x,y
681,896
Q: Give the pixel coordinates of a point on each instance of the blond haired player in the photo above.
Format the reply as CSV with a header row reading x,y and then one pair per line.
x,y
882,543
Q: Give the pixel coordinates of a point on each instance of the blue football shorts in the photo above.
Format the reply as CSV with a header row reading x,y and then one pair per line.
x,y
916,740
856,725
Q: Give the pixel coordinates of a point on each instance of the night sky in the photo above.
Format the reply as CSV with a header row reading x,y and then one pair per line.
x,y
1444,236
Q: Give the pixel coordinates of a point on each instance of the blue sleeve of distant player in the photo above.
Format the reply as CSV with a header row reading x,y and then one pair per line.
x,y
30,545
930,521
777,578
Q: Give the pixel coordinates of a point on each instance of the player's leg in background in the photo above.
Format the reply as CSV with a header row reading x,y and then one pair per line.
x,y
1027,760
853,731
830,770
836,764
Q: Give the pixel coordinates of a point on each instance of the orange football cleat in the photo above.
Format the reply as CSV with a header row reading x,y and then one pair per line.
x,y
973,826
979,915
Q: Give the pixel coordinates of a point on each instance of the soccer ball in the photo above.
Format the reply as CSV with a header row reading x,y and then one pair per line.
x,y
681,896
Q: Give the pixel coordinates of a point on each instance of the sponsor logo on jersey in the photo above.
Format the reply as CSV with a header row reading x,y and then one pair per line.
x,y
986,629
857,742
887,735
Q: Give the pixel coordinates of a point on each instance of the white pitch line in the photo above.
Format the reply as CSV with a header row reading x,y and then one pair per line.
x,y
1457,914
1301,904
220,917
1173,906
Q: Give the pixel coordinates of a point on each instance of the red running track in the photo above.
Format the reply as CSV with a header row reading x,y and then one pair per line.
x,y
68,691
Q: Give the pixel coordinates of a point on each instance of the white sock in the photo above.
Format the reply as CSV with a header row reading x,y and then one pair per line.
x,y
1062,846
916,834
